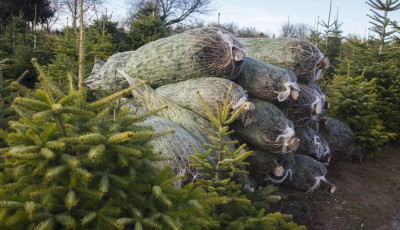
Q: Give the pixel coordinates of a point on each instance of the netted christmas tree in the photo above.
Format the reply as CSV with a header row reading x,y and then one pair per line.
x,y
71,164
265,81
297,55
211,88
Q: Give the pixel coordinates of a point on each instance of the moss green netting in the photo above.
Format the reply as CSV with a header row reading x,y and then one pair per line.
x,y
267,127
265,81
175,146
314,145
297,55
340,139
194,53
210,88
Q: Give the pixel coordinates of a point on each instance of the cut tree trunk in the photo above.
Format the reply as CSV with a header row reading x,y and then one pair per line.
x,y
267,82
325,105
267,128
340,139
297,55
314,145
202,52
211,89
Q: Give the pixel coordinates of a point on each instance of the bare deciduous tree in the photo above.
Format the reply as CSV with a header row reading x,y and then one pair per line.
x,y
73,6
303,30
288,30
175,11
299,30
57,8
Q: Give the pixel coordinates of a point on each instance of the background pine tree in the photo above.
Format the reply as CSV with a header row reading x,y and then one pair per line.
x,y
355,101
147,26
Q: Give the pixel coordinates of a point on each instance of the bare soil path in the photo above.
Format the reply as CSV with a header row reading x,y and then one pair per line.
x,y
367,196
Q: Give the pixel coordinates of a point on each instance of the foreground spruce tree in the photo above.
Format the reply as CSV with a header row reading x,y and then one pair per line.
x,y
71,165
222,171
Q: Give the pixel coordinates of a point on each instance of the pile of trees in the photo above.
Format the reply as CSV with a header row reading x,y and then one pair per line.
x,y
73,150
282,103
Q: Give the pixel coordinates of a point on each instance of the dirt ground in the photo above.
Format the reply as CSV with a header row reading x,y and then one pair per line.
x,y
367,196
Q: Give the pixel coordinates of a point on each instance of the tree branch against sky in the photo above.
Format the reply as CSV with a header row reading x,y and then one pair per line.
x,y
175,11
380,22
72,7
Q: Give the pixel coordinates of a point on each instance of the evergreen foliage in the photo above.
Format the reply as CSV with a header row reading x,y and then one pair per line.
x,y
364,60
221,171
355,101
333,50
380,22
25,9
119,38
147,26
70,164
18,44
8,91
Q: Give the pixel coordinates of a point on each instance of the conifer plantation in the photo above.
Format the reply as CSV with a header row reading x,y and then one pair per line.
x,y
166,122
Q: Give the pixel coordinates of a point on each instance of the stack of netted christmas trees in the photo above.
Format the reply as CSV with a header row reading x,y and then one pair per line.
x,y
282,106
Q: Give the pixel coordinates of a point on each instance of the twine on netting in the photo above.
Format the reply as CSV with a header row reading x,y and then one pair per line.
x,y
240,102
322,149
276,181
318,180
285,137
288,86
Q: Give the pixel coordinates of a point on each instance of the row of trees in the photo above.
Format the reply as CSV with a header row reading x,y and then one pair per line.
x,y
364,84
70,162
374,57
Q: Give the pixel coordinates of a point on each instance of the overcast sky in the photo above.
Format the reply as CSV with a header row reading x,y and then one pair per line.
x,y
269,15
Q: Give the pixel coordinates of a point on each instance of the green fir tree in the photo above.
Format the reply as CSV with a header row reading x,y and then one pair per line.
x,y
380,22
70,164
221,171
147,26
355,101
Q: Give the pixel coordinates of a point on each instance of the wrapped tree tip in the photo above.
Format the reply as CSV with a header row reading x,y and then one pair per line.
x,y
104,74
297,55
340,139
265,81
211,89
266,128
200,52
